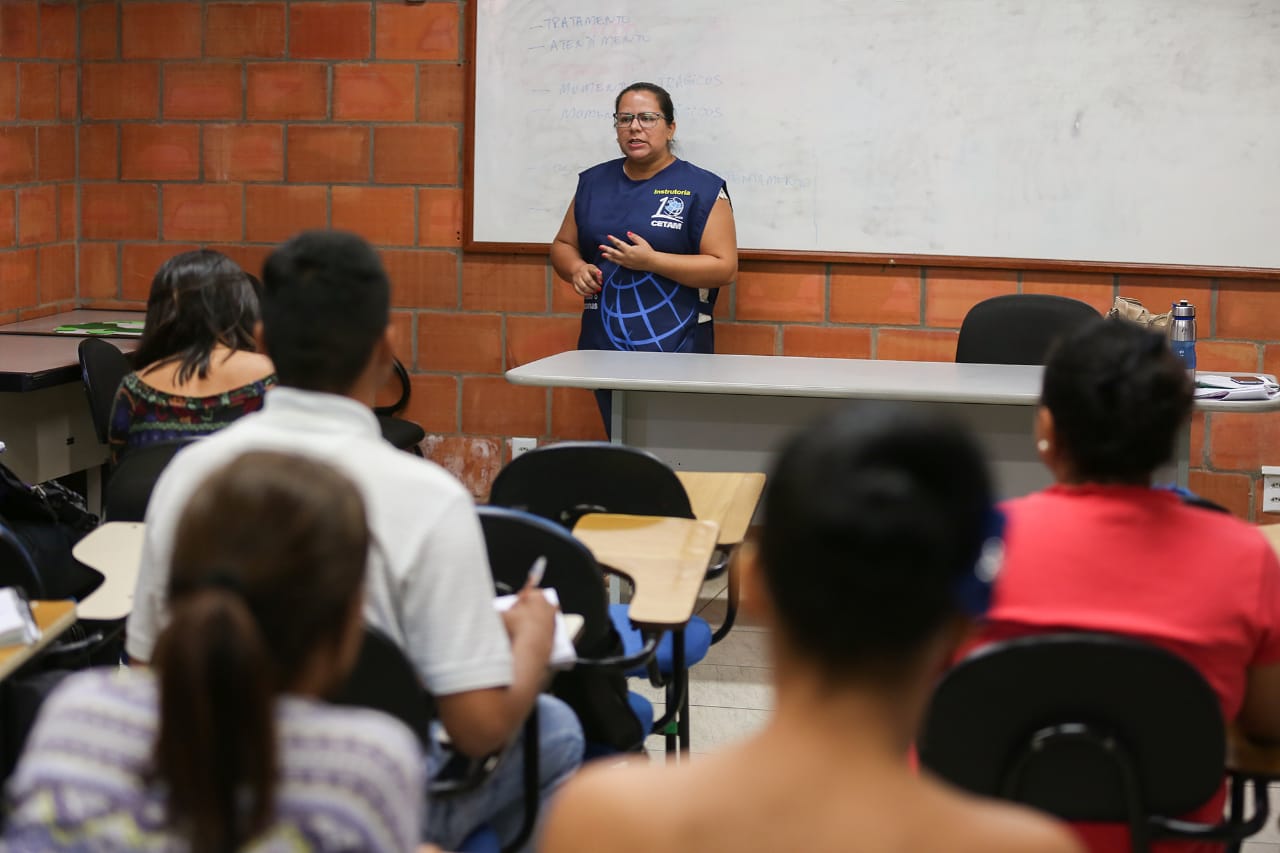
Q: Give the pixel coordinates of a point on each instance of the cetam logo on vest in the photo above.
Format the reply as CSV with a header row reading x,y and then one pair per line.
x,y
670,212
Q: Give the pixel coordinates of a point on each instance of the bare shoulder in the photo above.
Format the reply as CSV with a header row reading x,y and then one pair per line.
x,y
604,808
248,366
995,827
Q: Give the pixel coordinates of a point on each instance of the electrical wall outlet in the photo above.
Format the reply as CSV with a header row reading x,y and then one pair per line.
x,y
522,445
1271,488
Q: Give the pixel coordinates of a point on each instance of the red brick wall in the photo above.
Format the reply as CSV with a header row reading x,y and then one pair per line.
x,y
37,157
234,124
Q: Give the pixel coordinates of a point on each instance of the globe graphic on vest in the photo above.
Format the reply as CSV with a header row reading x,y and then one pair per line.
x,y
642,313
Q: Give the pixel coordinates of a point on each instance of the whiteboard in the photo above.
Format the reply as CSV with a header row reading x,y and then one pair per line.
x,y
1112,131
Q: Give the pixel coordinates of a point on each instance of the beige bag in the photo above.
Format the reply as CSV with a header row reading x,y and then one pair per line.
x,y
1134,311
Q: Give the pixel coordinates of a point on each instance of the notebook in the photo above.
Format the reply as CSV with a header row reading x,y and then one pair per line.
x,y
17,625
563,654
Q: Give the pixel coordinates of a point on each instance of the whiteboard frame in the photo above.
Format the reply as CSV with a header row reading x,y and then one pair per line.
x,y
470,244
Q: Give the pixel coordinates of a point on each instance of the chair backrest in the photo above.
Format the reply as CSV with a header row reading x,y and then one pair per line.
x,y
1018,328
16,566
129,487
405,387
515,539
563,482
383,678
1049,720
102,367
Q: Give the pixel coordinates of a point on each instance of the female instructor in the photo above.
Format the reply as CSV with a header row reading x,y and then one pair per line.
x,y
648,239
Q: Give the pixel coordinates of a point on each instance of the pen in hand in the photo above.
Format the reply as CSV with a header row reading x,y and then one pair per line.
x,y
536,571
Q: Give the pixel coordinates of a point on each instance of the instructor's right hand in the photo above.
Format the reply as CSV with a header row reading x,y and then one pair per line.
x,y
587,280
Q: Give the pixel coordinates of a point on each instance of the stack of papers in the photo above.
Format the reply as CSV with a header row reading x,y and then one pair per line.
x,y
1256,386
17,625
563,655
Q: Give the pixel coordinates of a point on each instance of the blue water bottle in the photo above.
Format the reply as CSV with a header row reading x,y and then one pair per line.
x,y
1182,332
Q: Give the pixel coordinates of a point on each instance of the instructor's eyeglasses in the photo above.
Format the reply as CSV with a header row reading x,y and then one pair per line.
x,y
647,120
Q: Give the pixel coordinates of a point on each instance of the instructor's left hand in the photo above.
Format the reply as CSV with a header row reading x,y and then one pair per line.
x,y
634,255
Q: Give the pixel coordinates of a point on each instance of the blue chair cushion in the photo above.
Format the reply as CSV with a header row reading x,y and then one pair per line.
x,y
697,641
483,840
642,708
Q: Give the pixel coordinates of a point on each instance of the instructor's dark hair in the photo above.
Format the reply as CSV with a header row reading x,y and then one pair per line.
x,y
326,301
872,517
664,98
198,300
268,563
1118,396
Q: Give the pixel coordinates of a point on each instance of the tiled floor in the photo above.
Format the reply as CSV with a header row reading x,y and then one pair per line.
x,y
730,696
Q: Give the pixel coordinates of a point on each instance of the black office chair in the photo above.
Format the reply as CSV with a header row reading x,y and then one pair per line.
x,y
613,718
1089,727
383,678
563,482
404,434
102,367
128,491
1018,328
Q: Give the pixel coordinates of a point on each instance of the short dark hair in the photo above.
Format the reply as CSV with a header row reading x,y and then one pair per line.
x,y
873,515
268,561
664,98
198,300
326,301
1118,396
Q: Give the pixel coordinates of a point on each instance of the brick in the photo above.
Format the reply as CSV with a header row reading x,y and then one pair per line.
x,y
826,341
19,30
38,91
877,295
329,30
439,216
8,218
504,283
139,263
950,293
382,215
19,279
1246,309
57,272
1159,293
746,338
461,343
377,92
474,460
276,213
160,30
244,30
1243,442
532,338
915,345
68,212
58,30
1196,448
1227,356
417,32
248,258
202,90
68,92
1098,289
8,91
243,152
433,403
442,92
1233,491
422,279
99,31
159,152
493,406
39,311
56,152
334,154
123,91
1271,359
119,212
575,416
99,276
286,90
781,291
99,152
402,337
415,155
205,212
37,214
17,155
565,300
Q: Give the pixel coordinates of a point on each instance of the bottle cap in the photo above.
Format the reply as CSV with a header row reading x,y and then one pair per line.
x,y
1183,309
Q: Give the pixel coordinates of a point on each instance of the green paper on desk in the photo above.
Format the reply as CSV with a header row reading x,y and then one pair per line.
x,y
120,328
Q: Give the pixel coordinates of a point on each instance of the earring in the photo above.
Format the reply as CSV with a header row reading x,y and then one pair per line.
x,y
1043,445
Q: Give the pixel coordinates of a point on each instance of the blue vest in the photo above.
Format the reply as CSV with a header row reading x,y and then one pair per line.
x,y
635,310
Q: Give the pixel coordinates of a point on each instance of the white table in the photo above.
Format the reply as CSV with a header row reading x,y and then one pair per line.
x,y
731,412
